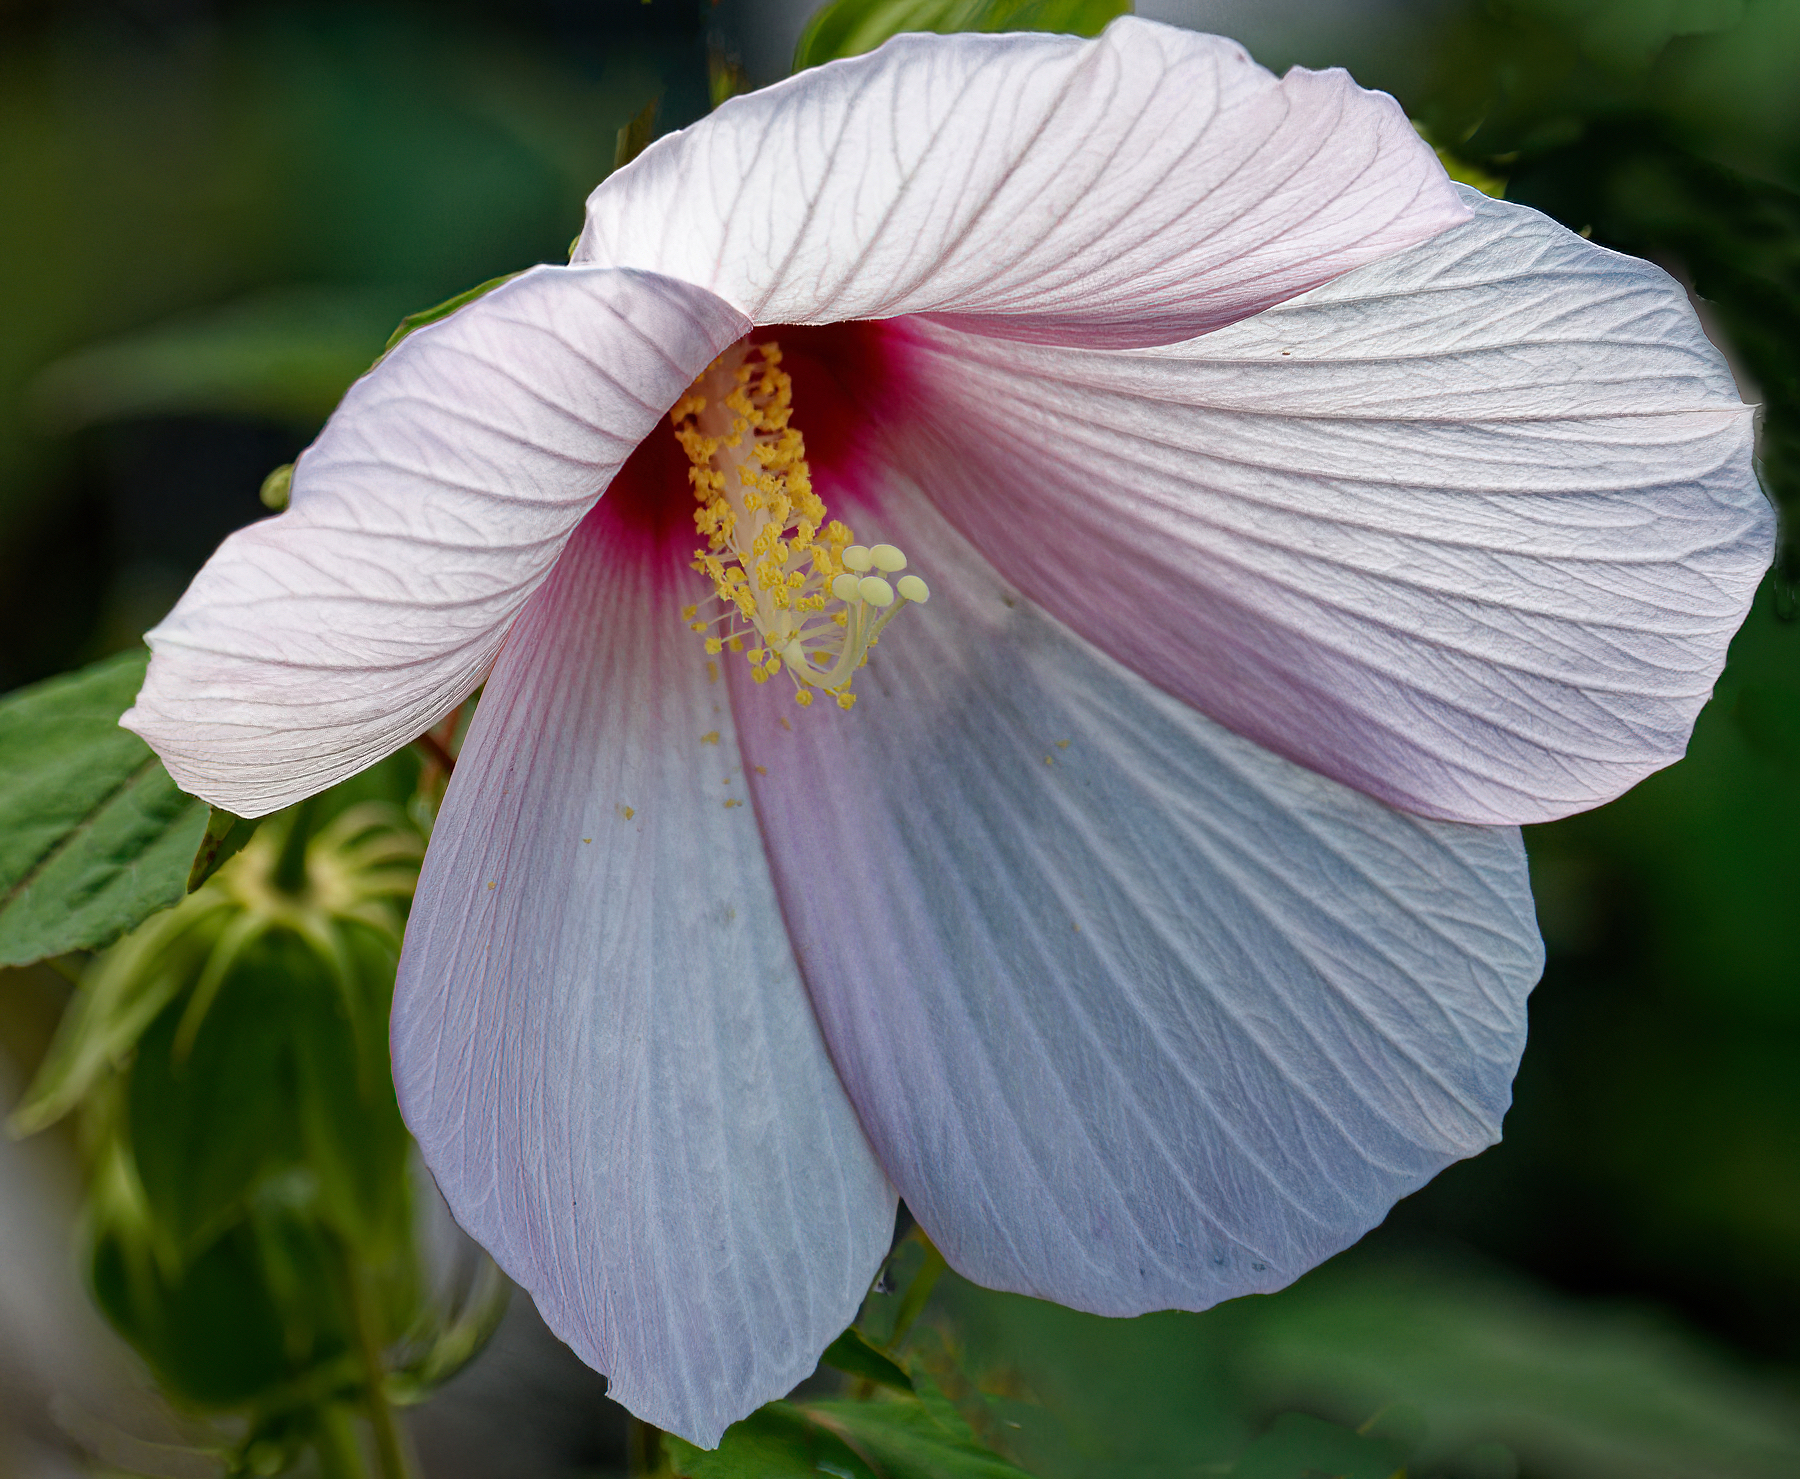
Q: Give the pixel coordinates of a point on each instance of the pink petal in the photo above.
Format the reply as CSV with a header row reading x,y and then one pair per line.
x,y
1136,189
1137,1014
1469,529
600,1036
434,502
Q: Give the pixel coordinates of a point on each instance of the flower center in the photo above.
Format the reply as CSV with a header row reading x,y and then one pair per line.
x,y
790,589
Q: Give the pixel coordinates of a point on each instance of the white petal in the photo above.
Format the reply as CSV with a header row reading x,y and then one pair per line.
x,y
601,1040
1137,1014
433,503
1136,189
1469,529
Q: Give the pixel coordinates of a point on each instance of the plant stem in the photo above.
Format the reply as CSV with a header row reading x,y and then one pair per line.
x,y
436,751
390,1448
643,1449
340,1455
919,1291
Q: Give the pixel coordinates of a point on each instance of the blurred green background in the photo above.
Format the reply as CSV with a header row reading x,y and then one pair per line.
x,y
212,215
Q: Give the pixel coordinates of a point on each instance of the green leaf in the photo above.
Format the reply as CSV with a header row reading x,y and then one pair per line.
x,y
896,1438
1573,1387
946,1392
853,1440
94,836
774,1442
1301,1447
852,27
854,1356
1109,1399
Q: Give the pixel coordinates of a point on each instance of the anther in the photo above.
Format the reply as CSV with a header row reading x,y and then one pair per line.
x,y
794,590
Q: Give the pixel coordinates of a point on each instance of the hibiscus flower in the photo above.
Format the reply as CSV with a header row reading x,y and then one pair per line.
x,y
1257,528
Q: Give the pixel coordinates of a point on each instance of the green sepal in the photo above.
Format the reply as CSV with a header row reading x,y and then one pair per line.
x,y
120,995
225,835
274,1063
851,1354
212,1098
258,1315
94,835
443,310
446,1340
852,27
252,1195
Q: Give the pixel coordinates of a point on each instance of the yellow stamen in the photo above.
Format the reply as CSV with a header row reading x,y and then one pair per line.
x,y
794,582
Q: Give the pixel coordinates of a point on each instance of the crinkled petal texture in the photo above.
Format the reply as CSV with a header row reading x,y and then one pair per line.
x,y
1137,1014
600,1036
1469,529
1136,189
431,506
